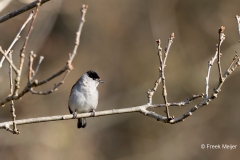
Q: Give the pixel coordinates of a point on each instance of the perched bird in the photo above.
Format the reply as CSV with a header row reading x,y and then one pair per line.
x,y
84,96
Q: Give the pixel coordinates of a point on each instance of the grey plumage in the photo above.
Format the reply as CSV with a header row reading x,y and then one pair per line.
x,y
84,96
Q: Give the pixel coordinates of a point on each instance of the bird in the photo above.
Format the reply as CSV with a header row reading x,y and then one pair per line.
x,y
84,96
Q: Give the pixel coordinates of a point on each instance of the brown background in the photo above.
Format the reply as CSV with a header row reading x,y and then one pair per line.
x,y
118,41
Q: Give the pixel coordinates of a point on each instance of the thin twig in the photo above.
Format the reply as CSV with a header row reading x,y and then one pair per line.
x,y
163,64
30,64
55,88
39,63
22,51
232,66
208,99
16,38
238,22
66,68
20,10
221,39
9,61
15,130
151,92
78,34
210,64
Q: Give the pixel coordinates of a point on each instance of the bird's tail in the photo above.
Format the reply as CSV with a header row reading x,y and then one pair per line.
x,y
82,123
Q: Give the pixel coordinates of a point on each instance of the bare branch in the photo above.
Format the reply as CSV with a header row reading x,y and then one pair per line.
x,y
22,51
14,130
78,34
151,92
233,65
154,115
55,88
20,10
210,64
39,63
141,109
68,65
186,101
67,117
221,39
164,88
66,68
30,64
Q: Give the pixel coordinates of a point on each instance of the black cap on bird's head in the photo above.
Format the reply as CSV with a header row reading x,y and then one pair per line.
x,y
94,76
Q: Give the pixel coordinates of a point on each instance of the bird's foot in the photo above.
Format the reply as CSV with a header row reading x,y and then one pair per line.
x,y
75,115
93,113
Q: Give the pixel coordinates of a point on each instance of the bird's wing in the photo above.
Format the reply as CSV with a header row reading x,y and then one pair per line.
x,y
69,98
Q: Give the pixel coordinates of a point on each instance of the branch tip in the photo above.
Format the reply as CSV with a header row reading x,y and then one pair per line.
x,y
158,41
172,36
221,29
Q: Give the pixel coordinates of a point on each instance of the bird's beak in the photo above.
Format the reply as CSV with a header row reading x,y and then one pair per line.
x,y
101,81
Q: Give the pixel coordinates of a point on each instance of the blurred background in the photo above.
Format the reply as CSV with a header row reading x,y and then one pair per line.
x,y
118,41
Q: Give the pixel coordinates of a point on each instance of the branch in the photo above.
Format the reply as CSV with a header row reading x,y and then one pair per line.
x,y
67,117
210,64
21,10
163,64
9,60
30,64
14,130
140,109
22,51
151,92
143,109
238,22
221,39
37,68
66,68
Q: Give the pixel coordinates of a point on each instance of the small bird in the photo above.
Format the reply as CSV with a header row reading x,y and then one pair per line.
x,y
84,96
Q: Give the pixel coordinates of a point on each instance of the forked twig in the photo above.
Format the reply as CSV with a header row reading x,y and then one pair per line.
x,y
22,51
66,69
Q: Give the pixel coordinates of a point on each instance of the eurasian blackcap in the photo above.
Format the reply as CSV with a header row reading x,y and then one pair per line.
x,y
84,96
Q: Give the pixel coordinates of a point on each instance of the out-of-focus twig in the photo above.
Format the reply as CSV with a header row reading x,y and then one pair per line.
x,y
30,65
16,38
66,69
238,22
22,51
14,130
20,10
9,61
37,68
